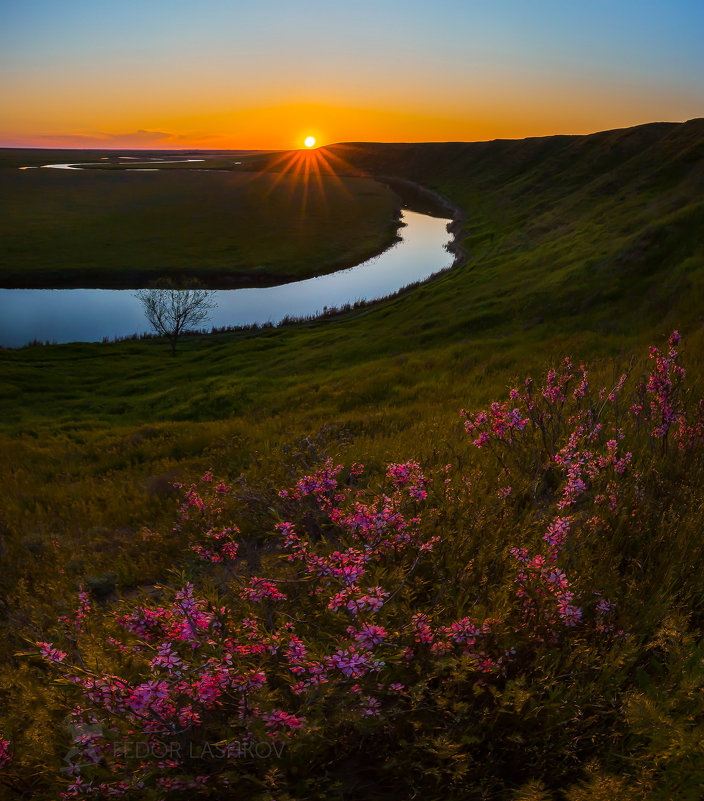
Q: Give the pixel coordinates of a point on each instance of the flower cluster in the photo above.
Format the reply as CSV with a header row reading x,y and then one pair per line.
x,y
348,611
664,404
5,754
51,654
82,611
408,475
499,422
661,404
260,589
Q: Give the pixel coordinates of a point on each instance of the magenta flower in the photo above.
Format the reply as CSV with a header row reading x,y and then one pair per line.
x,y
5,755
48,652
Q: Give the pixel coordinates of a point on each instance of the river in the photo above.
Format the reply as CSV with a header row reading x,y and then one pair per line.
x,y
92,315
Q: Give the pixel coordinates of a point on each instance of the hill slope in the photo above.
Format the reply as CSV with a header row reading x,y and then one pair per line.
x,y
570,224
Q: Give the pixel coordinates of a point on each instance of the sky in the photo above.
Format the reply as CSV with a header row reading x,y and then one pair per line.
x,y
264,74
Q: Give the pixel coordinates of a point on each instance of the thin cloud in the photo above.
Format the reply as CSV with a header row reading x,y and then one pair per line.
x,y
136,139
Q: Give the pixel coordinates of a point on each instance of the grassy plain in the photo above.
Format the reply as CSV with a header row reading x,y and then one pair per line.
x,y
116,227
589,246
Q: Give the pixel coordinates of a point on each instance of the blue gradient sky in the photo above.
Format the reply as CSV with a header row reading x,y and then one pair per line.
x,y
233,74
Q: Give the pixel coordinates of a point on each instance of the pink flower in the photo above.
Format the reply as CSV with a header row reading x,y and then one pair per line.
x,y
277,719
166,659
370,707
47,651
5,755
145,695
556,535
349,662
368,636
260,589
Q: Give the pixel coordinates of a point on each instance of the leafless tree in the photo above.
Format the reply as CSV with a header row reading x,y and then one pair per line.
x,y
171,311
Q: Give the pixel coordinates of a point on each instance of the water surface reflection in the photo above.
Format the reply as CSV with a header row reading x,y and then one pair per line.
x,y
89,315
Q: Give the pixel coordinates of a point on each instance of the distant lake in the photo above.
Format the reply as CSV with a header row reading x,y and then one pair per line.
x,y
90,315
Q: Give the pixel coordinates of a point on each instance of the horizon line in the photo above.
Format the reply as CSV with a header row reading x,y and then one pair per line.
x,y
251,150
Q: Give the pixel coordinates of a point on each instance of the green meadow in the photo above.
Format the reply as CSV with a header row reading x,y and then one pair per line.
x,y
116,227
588,246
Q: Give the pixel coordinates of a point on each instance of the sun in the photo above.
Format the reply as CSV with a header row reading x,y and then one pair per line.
x,y
309,141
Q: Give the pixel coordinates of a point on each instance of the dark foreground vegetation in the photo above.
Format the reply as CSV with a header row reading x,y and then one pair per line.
x,y
548,643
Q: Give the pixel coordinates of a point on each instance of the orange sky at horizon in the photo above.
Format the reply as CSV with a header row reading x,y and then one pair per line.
x,y
224,74
286,126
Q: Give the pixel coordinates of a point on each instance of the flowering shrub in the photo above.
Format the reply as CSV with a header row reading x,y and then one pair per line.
x,y
5,754
384,611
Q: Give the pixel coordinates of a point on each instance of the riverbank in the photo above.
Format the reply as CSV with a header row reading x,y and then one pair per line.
x,y
127,229
427,201
69,315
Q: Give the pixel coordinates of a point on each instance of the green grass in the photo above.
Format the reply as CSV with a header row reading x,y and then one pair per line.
x,y
228,229
556,265
590,246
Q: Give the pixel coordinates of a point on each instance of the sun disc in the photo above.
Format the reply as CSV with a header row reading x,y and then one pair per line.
x,y
309,141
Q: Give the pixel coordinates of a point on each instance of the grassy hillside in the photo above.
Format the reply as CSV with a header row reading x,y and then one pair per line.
x,y
590,246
